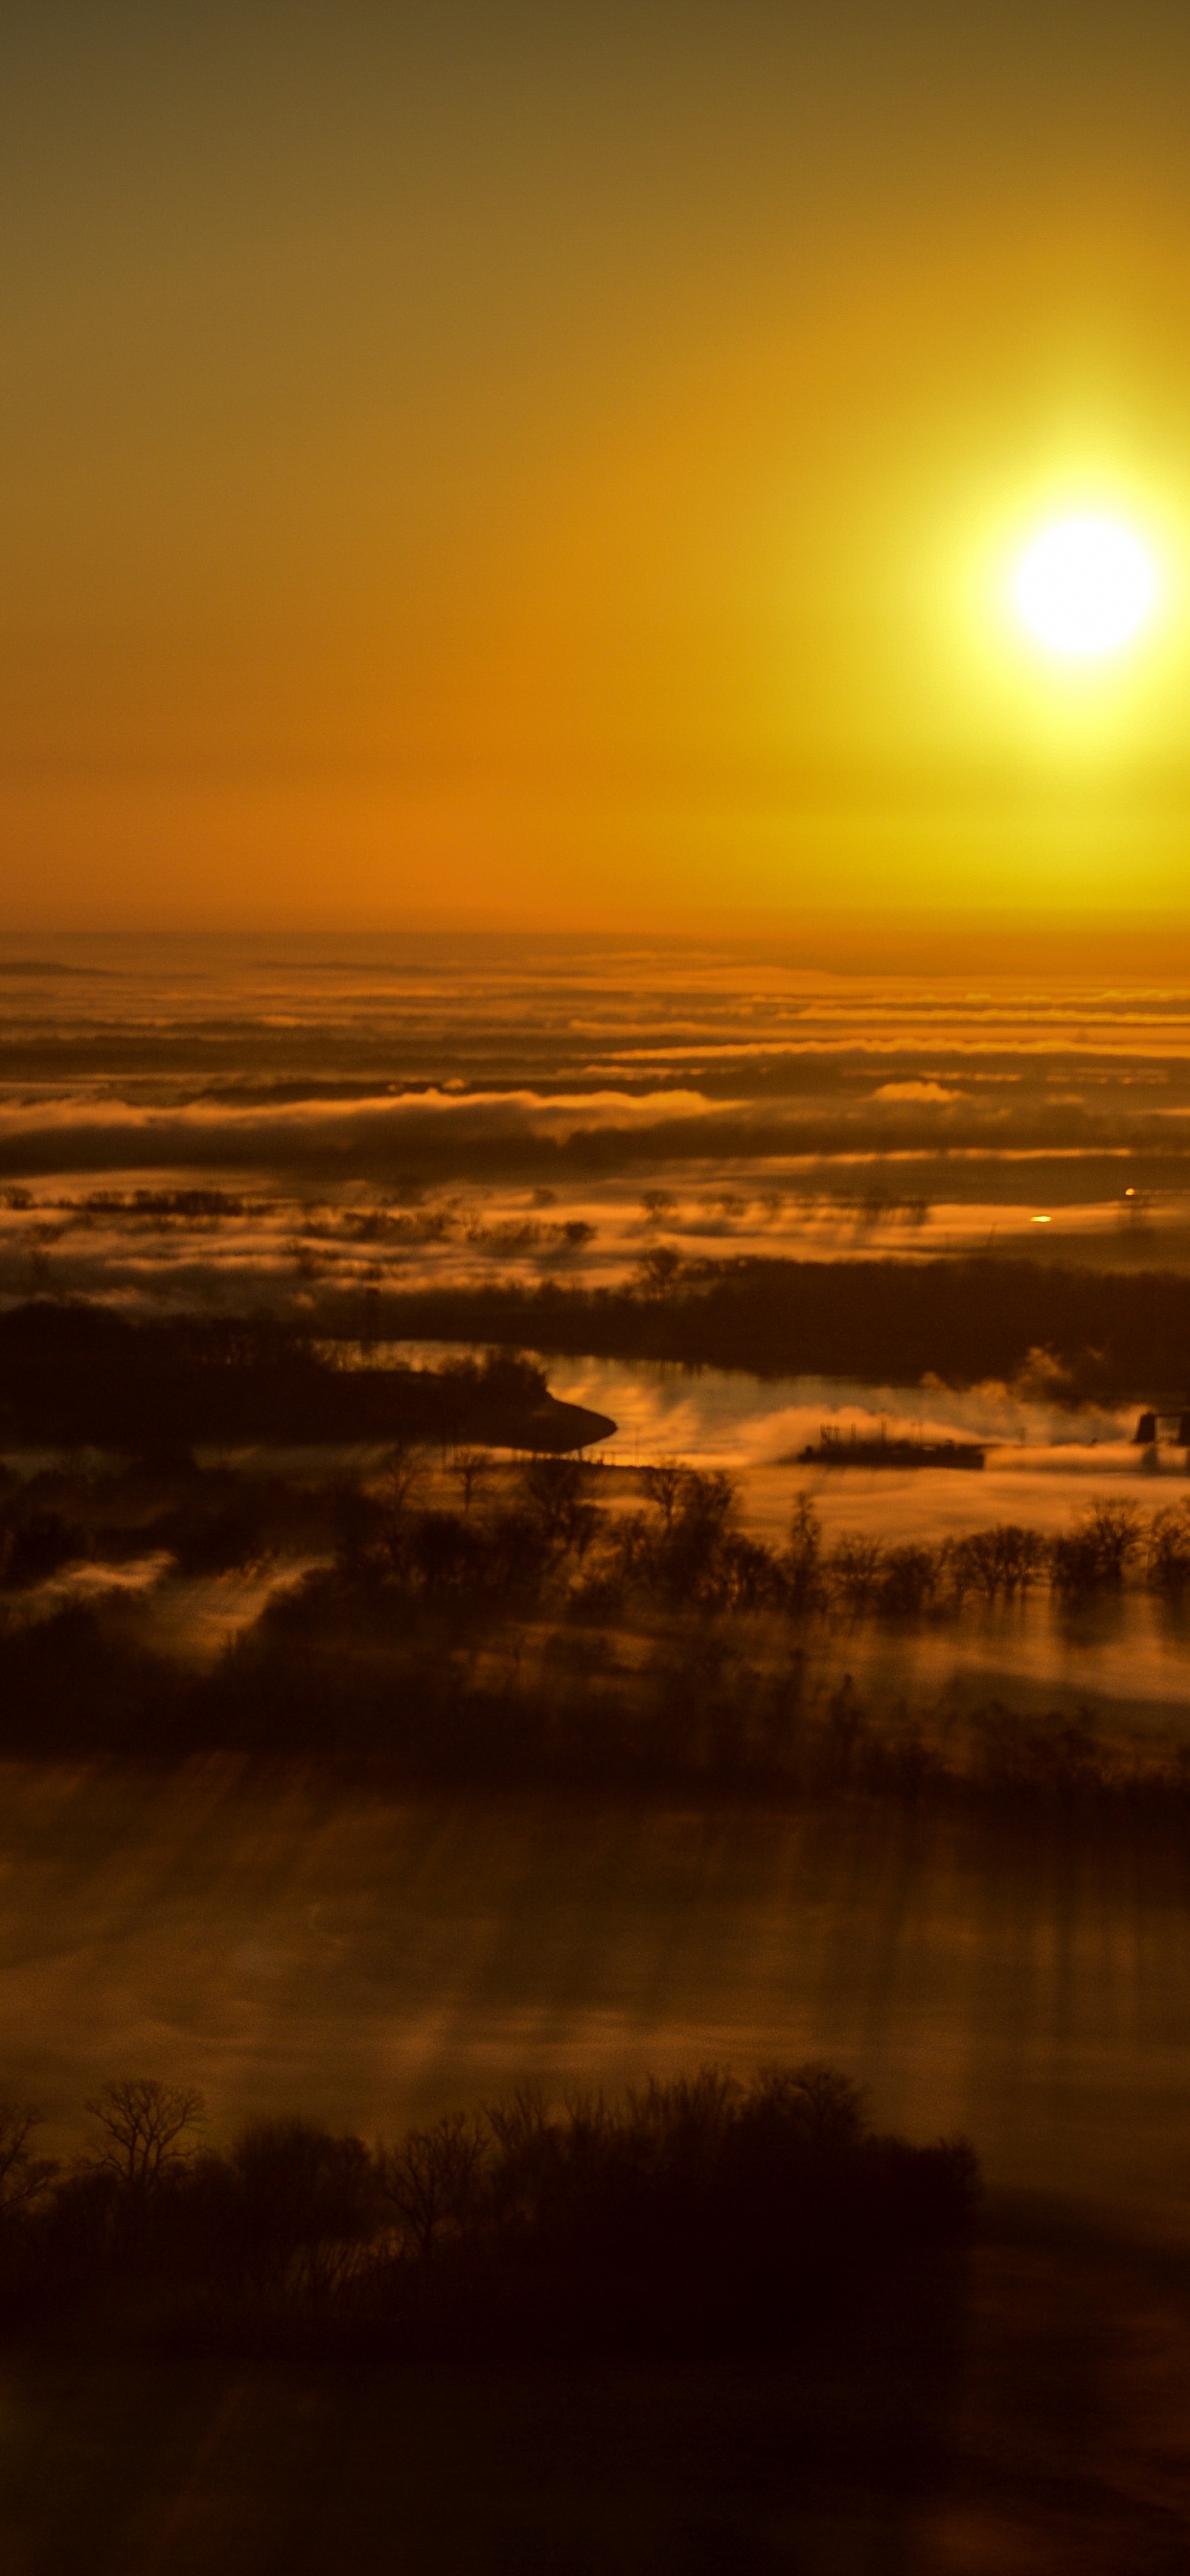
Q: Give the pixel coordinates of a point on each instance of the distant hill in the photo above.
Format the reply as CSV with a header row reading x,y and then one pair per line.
x,y
1076,1334
77,1375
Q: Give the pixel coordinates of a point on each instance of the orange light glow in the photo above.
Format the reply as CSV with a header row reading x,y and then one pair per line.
x,y
551,476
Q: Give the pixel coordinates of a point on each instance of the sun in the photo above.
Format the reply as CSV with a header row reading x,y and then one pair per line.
x,y
1085,586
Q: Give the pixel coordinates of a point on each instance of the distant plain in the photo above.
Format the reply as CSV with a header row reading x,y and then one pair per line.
x,y
320,1132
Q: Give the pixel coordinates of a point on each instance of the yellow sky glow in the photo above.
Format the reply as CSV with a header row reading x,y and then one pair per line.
x,y
578,466
1085,586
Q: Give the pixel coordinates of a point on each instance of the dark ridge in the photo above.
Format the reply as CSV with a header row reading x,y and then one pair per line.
x,y
74,1374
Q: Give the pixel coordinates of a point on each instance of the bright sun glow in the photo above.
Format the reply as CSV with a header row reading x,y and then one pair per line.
x,y
1085,586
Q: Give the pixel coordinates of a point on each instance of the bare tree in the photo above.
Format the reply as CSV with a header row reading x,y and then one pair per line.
x,y
658,1205
402,1472
143,2123
22,2176
662,1486
431,2179
308,2205
1115,1527
854,1568
472,1467
826,2105
552,1484
1167,1560
658,1271
803,1557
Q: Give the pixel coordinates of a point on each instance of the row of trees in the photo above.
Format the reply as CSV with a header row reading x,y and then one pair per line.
x,y
505,1547
426,1701
1098,1335
685,1549
530,1637
689,2213
1111,1542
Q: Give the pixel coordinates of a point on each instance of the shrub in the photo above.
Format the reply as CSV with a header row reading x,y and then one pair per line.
x,y
995,1562
908,1581
1096,1556
853,1572
1167,1551
802,1566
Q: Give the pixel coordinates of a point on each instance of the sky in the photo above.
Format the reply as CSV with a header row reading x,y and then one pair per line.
x,y
496,463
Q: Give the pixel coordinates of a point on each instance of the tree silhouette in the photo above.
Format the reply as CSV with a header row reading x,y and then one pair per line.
x,y
431,2180
662,1486
472,1467
143,2122
22,2176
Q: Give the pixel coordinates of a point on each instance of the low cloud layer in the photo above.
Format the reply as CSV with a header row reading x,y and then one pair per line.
x,y
448,1112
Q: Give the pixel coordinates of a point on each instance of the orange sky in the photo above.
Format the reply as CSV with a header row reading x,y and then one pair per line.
x,y
512,463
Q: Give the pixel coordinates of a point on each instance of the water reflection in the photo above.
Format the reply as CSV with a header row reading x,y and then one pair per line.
x,y
1125,1657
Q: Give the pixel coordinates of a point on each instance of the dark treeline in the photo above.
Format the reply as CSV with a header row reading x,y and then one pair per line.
x,y
480,1137
211,1520
689,1713
1112,1336
699,2215
79,1373
541,1535
530,1637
